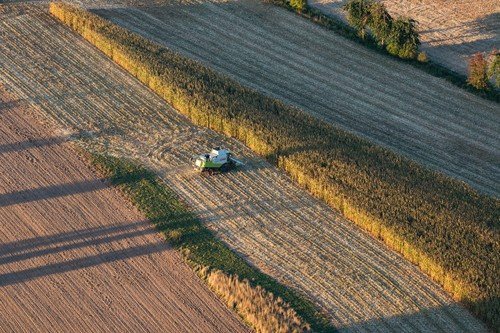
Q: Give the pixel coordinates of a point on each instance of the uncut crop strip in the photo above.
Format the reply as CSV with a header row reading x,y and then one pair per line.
x,y
257,211
337,80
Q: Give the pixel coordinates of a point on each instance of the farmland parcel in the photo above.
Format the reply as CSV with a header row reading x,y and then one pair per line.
x,y
258,212
415,211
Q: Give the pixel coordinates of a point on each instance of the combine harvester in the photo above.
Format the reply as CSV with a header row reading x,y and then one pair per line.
x,y
218,160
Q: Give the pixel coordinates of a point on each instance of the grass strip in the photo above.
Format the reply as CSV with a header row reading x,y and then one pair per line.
x,y
445,227
213,260
338,26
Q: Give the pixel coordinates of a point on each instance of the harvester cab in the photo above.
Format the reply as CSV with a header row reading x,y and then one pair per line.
x,y
217,160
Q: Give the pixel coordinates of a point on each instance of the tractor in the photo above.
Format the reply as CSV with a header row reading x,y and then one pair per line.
x,y
217,160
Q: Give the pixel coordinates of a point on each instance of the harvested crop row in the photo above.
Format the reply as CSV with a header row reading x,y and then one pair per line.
x,y
281,55
444,227
257,211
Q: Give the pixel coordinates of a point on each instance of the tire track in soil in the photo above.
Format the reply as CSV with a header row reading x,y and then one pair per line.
x,y
257,211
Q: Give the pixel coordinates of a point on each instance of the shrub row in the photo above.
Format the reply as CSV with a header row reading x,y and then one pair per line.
x,y
398,36
422,62
243,287
442,225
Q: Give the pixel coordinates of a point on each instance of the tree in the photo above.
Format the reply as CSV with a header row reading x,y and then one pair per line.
x,y
478,68
403,40
494,67
380,22
358,14
298,5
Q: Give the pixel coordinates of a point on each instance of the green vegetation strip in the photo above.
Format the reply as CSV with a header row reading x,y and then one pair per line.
x,y
338,26
183,230
440,224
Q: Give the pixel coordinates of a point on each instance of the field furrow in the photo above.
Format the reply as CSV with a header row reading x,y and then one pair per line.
x,y
257,210
385,101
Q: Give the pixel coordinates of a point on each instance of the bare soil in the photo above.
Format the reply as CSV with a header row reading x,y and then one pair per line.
x,y
75,256
256,210
450,31
386,101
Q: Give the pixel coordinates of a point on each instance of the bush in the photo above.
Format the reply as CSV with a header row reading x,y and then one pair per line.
x,y
494,67
298,5
403,40
399,35
358,14
444,226
380,23
478,72
422,57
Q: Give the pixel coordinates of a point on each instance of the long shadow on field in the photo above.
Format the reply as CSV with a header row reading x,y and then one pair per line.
x,y
49,192
36,242
31,144
58,244
97,237
413,322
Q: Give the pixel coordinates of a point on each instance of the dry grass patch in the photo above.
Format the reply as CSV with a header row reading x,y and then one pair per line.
x,y
262,310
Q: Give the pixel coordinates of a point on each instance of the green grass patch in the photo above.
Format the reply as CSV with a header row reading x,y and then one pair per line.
x,y
183,230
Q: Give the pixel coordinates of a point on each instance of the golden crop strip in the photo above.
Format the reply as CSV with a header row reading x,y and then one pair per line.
x,y
442,225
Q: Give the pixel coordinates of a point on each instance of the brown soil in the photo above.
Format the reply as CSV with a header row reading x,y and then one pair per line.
x,y
257,210
75,256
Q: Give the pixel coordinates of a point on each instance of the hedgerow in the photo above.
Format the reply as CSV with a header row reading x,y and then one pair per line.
x,y
440,224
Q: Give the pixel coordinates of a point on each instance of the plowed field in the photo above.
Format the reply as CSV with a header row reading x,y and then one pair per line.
x,y
75,257
257,210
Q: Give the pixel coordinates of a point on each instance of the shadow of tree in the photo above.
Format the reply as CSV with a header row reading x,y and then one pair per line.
x,y
60,243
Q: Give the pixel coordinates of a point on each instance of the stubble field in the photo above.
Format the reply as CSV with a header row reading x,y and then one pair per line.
x,y
257,211
337,80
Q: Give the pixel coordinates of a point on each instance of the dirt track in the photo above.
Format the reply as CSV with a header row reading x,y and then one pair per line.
x,y
75,257
258,211
390,103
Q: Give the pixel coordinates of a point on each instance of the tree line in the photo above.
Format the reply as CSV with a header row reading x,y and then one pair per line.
x,y
398,36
